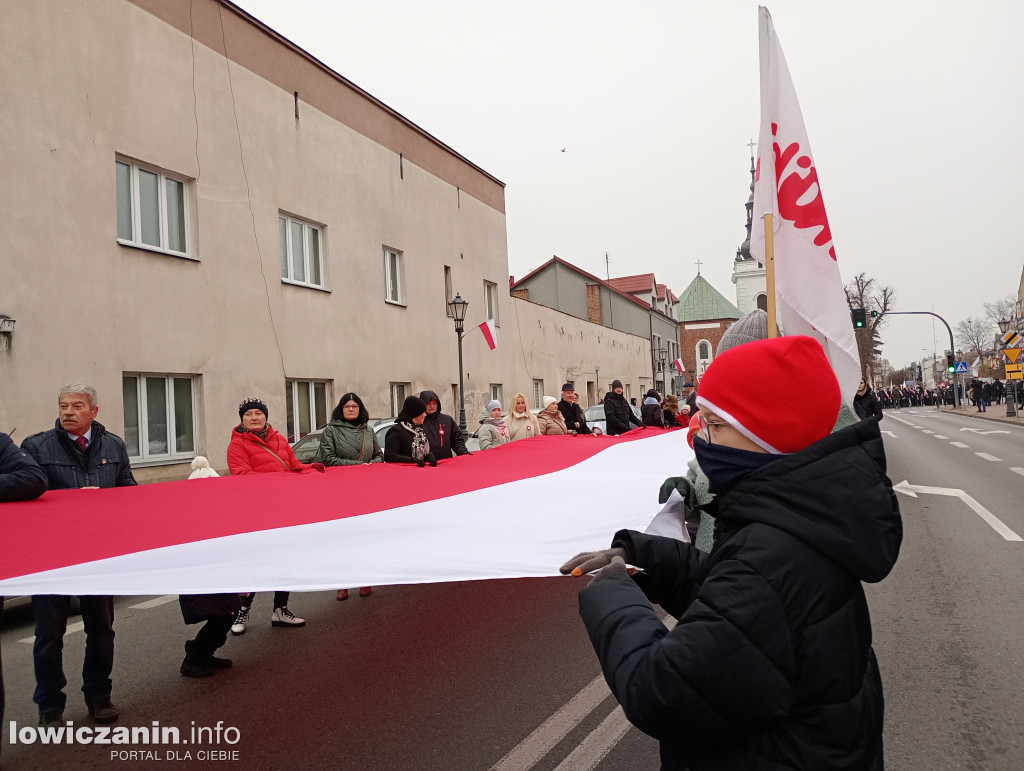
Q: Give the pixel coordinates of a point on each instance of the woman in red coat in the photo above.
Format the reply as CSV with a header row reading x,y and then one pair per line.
x,y
256,448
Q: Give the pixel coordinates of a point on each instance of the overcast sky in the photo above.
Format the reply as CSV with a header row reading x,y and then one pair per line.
x,y
913,109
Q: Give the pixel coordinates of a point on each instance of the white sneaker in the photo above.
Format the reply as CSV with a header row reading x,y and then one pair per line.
x,y
240,621
284,617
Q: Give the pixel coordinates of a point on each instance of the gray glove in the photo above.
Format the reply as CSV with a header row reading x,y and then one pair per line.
x,y
682,484
589,561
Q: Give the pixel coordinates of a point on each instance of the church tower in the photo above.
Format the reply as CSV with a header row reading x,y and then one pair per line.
x,y
747,275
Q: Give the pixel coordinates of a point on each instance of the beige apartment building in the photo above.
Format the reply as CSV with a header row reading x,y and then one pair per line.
x,y
195,210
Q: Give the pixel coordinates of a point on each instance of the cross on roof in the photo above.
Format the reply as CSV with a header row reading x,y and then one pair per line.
x,y
698,267
751,144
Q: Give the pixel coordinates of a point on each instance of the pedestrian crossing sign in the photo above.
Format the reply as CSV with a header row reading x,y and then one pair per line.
x,y
961,366
1012,354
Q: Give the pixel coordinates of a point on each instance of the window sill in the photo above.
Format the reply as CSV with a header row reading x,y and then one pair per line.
x,y
395,302
156,250
304,285
136,462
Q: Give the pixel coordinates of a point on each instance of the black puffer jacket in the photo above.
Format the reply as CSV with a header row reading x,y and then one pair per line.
x,y
866,405
443,433
574,419
103,464
21,479
770,665
617,414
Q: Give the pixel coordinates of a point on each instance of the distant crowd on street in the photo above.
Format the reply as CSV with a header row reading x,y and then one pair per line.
x,y
978,392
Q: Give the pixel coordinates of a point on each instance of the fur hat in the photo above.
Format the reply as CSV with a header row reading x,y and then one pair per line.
x,y
773,419
753,326
201,468
252,403
493,404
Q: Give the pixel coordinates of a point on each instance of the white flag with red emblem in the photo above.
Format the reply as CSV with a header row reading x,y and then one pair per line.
x,y
808,285
489,333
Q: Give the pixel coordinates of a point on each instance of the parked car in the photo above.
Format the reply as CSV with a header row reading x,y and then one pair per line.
x,y
594,415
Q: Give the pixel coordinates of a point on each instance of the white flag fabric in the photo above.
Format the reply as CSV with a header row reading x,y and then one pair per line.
x,y
975,367
808,285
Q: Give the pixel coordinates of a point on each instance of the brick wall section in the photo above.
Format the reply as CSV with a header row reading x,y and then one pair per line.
x,y
594,303
688,339
522,294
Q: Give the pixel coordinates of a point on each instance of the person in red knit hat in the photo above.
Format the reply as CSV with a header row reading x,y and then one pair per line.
x,y
770,663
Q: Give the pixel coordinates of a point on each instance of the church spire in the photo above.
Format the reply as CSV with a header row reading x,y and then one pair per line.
x,y
743,253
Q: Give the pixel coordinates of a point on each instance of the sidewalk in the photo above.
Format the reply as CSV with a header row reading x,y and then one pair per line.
x,y
994,412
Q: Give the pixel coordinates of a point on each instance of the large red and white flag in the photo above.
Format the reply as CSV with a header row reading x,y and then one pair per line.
x,y
679,365
490,333
495,514
808,284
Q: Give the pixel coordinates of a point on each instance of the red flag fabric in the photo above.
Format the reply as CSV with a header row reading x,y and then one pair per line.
x,y
489,333
808,284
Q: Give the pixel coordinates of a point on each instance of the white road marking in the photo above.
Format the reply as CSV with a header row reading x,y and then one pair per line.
x,y
983,432
926,431
961,445
890,433
914,425
996,524
592,750
1018,471
534,747
986,456
72,628
154,603
939,436
901,420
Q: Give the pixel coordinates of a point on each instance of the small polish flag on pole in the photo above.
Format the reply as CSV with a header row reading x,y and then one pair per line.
x,y
679,365
489,333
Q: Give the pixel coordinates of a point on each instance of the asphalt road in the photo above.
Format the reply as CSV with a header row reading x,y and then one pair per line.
x,y
500,675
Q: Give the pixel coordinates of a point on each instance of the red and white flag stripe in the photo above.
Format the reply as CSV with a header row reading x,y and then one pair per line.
x,y
679,365
502,513
490,334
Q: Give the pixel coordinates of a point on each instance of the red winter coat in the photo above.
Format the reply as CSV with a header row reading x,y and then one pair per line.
x,y
248,454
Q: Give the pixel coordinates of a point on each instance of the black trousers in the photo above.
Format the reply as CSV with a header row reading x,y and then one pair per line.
x,y
213,634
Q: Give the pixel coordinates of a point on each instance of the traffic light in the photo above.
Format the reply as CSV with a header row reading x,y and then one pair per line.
x,y
950,363
859,318
874,314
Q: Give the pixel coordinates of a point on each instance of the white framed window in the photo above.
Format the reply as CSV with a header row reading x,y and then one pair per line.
x,y
495,392
762,302
394,276
704,356
455,397
308,406
398,393
491,302
152,208
159,417
448,296
538,393
302,254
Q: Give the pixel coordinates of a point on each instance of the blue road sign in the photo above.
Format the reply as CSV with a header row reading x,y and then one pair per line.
x,y
961,366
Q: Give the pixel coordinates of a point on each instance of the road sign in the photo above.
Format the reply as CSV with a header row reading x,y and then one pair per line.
x,y
961,366
1011,339
1012,354
1015,371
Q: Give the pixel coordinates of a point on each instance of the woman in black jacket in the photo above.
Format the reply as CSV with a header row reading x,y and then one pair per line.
x,y
865,403
406,441
770,665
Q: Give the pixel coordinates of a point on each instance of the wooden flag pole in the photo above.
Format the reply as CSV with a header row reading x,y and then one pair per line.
x,y
769,265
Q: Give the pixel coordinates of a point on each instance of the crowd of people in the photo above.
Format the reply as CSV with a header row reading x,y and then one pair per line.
x,y
980,393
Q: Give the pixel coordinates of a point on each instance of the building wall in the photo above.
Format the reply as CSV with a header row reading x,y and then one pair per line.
x,y
691,333
750,282
83,84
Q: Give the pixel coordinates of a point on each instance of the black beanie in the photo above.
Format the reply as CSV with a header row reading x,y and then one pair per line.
x,y
616,384
413,407
252,403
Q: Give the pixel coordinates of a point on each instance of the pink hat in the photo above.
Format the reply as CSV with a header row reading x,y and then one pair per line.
x,y
774,418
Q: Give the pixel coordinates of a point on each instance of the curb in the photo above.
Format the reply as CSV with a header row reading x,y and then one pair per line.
x,y
971,413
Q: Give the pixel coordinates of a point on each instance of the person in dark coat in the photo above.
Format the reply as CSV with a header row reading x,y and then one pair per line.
x,y
978,394
770,665
651,412
406,441
443,433
21,479
570,409
690,397
77,452
617,413
865,403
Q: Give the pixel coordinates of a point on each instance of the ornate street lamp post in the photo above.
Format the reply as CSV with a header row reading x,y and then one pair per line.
x,y
458,308
1005,325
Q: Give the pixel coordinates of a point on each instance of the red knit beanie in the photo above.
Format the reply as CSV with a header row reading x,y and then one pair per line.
x,y
751,387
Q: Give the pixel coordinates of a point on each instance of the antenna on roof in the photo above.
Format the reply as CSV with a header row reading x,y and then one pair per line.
x,y
607,272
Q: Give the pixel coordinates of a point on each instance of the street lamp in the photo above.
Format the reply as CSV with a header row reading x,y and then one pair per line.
x,y
458,310
1005,325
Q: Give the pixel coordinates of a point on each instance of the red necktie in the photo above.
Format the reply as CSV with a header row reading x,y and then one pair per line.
x,y
81,442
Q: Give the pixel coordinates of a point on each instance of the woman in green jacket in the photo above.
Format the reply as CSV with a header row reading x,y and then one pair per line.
x,y
348,440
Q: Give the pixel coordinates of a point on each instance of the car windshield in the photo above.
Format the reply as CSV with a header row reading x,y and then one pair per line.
x,y
594,413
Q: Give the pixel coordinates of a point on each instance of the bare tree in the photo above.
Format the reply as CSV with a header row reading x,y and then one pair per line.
x,y
975,334
1001,310
865,292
